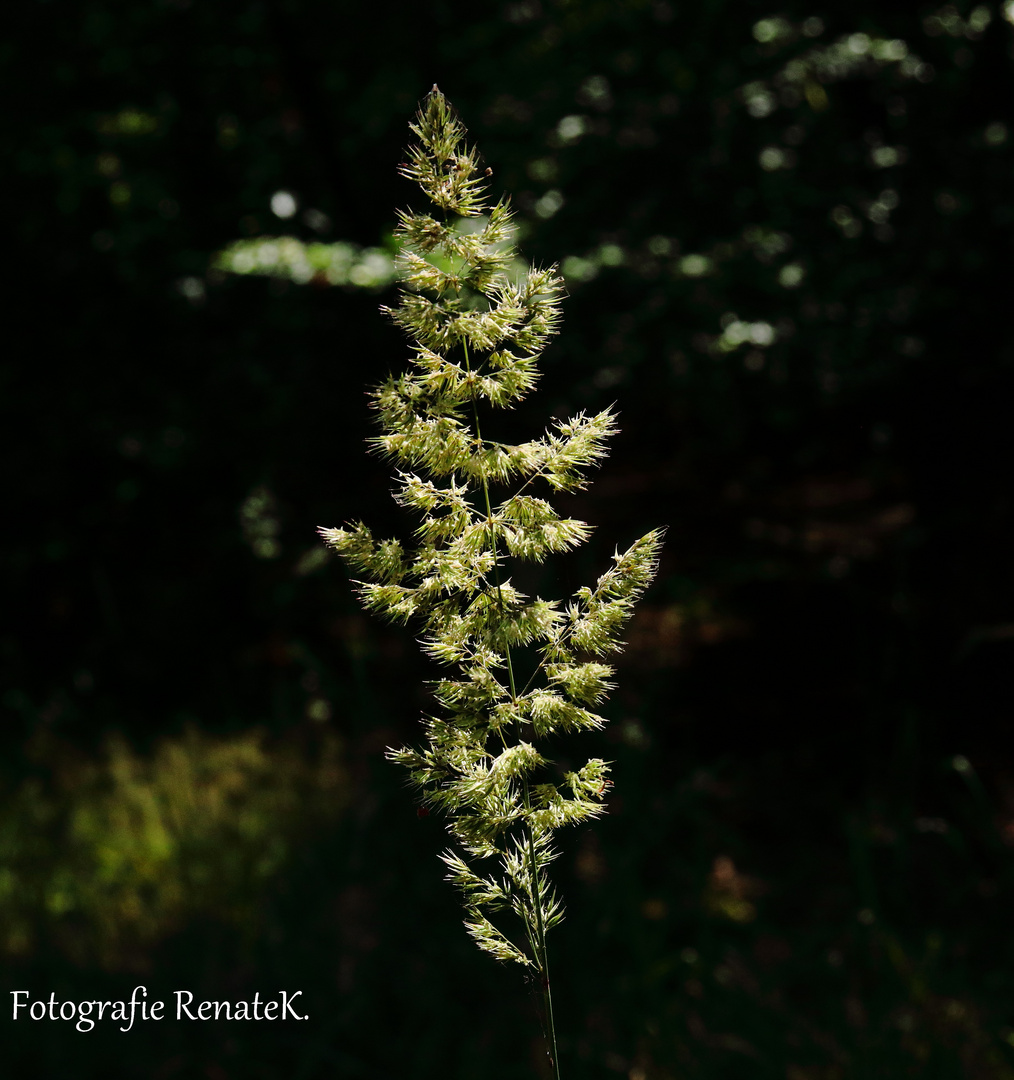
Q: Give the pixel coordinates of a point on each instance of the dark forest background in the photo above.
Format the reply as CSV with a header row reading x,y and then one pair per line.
x,y
786,233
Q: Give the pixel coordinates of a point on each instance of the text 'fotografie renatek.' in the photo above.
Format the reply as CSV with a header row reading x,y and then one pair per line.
x,y
85,1014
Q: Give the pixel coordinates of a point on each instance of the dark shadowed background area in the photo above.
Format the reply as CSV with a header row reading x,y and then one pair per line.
x,y
786,235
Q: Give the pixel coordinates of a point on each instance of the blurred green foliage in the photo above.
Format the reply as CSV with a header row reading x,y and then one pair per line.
x,y
786,234
107,857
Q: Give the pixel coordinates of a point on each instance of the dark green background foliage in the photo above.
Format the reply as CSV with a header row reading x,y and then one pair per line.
x,y
807,870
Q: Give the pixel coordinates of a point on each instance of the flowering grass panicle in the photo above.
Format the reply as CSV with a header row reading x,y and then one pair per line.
x,y
477,330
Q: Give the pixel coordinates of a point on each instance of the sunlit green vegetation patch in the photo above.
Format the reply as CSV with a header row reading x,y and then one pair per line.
x,y
108,855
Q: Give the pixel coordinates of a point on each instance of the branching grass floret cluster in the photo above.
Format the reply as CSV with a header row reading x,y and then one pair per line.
x,y
477,333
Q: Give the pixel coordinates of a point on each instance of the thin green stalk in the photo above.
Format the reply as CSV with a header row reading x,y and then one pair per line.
x,y
489,521
547,993
541,949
